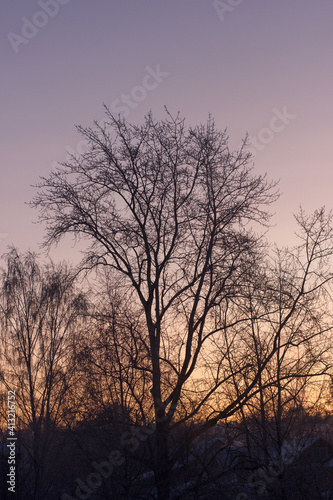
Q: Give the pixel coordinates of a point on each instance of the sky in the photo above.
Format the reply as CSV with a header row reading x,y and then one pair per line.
x,y
260,67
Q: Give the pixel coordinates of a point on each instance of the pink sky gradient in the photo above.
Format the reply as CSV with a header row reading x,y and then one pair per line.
x,y
263,56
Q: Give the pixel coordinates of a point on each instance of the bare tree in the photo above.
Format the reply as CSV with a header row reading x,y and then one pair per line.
x,y
40,310
169,209
113,357
289,305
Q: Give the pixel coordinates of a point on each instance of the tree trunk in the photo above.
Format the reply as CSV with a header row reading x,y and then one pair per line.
x,y
162,476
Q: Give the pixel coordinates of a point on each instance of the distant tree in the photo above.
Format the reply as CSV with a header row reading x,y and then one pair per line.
x,y
113,358
289,304
40,311
295,311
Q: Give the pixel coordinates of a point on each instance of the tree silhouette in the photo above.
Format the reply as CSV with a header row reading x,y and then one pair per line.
x,y
171,210
40,310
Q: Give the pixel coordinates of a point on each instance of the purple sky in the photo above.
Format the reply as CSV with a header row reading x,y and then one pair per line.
x,y
246,65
